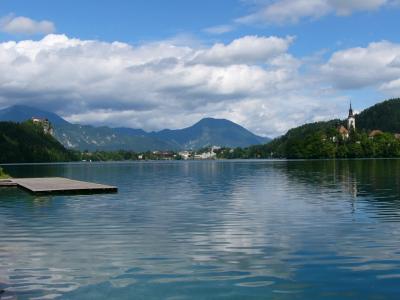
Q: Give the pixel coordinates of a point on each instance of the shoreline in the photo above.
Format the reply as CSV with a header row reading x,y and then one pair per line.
x,y
4,175
193,161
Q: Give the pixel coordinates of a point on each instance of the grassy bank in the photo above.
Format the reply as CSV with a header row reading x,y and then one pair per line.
x,y
3,175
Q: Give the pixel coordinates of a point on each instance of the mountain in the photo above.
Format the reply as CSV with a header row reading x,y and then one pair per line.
x,y
85,137
26,142
130,131
208,132
21,113
384,116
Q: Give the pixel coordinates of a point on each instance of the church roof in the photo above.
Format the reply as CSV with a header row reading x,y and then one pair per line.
x,y
343,130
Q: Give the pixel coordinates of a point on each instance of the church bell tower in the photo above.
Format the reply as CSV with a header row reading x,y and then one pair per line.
x,y
351,120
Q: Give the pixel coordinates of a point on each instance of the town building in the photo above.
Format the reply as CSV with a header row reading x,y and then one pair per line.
x,y
210,154
375,133
185,154
343,131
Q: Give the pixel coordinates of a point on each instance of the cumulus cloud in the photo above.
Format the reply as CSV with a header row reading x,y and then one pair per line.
x,y
25,26
292,11
377,65
246,50
253,80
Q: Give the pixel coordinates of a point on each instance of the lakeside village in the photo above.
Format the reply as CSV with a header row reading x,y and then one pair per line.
x,y
208,153
343,135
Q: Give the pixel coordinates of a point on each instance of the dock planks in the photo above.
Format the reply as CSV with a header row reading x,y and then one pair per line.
x,y
59,185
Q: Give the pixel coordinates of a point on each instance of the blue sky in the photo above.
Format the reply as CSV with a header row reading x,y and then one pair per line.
x,y
293,61
152,20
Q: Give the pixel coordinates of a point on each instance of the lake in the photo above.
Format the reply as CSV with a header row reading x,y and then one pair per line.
x,y
206,230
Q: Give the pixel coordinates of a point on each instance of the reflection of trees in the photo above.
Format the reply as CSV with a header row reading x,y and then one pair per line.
x,y
374,180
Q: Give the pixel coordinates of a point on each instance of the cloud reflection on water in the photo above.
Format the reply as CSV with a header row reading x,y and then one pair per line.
x,y
265,225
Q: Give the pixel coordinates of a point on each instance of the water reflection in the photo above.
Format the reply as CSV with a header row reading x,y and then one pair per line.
x,y
262,229
375,182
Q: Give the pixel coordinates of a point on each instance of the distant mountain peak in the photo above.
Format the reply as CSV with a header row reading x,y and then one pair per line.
x,y
211,131
215,120
21,113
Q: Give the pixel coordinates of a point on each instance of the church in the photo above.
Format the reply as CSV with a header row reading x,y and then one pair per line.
x,y
351,124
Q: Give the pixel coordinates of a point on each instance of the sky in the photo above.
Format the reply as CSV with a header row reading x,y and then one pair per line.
x,y
268,65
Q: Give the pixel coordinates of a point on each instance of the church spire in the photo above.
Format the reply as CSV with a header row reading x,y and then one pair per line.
x,y
350,111
351,120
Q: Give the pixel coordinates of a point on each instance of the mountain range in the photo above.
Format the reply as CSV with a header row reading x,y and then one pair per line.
x,y
206,132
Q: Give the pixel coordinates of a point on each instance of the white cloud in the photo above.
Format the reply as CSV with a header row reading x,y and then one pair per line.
x,y
25,26
246,50
252,80
391,87
377,65
345,7
292,11
220,29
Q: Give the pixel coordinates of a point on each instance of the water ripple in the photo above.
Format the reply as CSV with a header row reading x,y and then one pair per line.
x,y
198,230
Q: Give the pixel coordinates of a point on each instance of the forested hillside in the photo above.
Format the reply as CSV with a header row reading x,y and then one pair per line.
x,y
384,116
26,142
323,140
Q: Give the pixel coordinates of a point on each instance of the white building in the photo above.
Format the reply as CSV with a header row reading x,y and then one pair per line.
x,y
205,155
211,154
185,154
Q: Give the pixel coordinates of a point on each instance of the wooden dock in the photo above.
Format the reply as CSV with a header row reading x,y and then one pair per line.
x,y
58,185
7,182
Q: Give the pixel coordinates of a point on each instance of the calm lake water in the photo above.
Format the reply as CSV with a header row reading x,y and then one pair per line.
x,y
206,230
